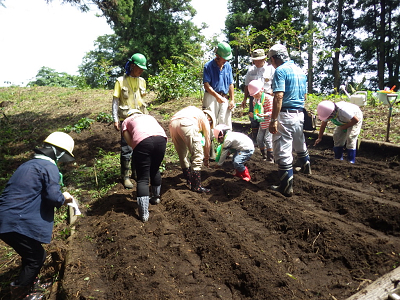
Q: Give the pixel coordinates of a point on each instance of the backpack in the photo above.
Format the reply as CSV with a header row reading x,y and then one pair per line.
x,y
310,121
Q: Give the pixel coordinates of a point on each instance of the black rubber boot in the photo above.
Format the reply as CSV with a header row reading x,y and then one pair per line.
x,y
270,157
196,183
187,174
285,187
155,192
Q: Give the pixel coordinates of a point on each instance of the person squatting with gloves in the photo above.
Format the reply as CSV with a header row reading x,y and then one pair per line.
x,y
27,210
148,142
348,118
290,87
237,143
129,91
190,130
262,114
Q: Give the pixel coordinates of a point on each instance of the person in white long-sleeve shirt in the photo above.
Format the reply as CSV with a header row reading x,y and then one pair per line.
x,y
239,144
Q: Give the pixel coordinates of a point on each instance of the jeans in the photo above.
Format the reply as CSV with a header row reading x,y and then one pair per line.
x,y
240,157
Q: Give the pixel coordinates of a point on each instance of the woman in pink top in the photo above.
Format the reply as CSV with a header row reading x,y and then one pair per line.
x,y
148,141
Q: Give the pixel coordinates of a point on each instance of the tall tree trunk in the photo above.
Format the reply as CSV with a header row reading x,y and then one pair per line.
x,y
335,65
310,48
381,47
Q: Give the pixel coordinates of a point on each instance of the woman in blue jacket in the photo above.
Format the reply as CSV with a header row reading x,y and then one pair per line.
x,y
27,209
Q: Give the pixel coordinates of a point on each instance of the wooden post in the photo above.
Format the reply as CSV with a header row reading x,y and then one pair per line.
x,y
380,288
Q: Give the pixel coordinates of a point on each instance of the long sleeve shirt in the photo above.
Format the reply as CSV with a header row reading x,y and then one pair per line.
x,y
235,141
29,198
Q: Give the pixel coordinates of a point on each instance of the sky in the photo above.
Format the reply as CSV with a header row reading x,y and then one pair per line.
x,y
35,34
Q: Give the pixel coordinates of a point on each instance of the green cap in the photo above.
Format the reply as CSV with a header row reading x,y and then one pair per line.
x,y
139,60
224,50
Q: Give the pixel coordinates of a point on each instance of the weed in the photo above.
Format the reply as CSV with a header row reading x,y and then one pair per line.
x,y
104,118
83,123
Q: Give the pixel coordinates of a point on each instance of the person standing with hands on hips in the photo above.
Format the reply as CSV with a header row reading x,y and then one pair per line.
x,y
27,210
129,91
219,97
348,118
287,118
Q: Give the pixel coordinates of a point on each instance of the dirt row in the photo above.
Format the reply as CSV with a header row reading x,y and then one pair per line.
x,y
338,233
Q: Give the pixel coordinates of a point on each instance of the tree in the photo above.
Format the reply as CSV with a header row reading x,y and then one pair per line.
x,y
252,17
49,77
158,29
379,22
97,66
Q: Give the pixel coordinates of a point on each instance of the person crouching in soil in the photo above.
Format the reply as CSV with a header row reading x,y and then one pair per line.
x,y
148,142
190,130
348,119
27,211
237,143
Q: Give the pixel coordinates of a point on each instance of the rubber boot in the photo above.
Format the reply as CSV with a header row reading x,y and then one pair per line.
x,y
125,168
351,155
245,175
213,153
285,187
264,157
338,152
187,175
196,183
305,166
143,206
155,192
270,157
19,292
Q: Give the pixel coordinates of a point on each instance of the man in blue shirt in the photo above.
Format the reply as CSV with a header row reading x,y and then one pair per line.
x,y
218,81
219,95
290,87
27,209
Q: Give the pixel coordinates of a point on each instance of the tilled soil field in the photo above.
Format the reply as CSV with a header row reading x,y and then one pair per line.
x,y
337,234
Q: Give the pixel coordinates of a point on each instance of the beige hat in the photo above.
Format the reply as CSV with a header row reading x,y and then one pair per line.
x,y
258,54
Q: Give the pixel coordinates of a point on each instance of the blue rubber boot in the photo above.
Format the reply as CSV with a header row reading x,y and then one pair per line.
x,y
285,187
304,160
338,152
351,155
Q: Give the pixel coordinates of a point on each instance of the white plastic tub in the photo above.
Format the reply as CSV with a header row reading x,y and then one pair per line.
x,y
359,98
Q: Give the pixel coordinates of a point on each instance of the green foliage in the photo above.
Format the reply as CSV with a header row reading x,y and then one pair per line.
x,y
174,81
98,68
82,124
99,178
49,77
104,118
157,29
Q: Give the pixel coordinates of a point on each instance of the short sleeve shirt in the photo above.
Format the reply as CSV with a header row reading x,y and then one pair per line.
x,y
265,74
290,80
220,80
